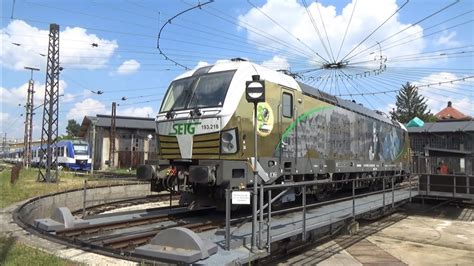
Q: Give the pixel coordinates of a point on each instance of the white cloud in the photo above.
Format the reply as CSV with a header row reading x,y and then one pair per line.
x,y
128,67
441,90
88,106
15,96
447,40
201,64
75,47
389,107
276,63
69,97
368,14
145,111
204,63
4,118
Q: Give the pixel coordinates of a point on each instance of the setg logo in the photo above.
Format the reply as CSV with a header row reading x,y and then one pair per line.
x,y
184,128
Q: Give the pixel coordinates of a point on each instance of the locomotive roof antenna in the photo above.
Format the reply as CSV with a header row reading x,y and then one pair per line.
x,y
49,132
29,119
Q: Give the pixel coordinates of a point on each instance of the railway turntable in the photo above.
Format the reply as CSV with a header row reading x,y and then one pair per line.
x,y
179,235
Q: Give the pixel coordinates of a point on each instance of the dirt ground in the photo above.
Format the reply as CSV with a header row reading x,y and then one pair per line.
x,y
418,235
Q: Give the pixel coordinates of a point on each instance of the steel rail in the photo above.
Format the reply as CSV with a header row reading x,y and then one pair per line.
x,y
133,240
98,228
99,208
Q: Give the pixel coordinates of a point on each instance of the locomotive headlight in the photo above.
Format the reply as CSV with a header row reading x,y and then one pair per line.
x,y
229,141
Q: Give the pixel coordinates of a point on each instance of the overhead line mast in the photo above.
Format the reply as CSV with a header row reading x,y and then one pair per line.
x,y
28,136
49,132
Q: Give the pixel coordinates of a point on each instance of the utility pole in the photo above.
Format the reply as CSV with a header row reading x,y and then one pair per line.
x,y
112,135
4,145
29,119
131,150
94,123
49,132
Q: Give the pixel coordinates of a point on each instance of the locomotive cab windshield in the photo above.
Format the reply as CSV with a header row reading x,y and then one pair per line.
x,y
201,91
81,149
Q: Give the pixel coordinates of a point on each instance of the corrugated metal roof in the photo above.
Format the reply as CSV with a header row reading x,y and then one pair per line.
x,y
470,126
451,126
126,122
448,150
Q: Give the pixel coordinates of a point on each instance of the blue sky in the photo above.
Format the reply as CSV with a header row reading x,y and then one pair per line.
x,y
304,37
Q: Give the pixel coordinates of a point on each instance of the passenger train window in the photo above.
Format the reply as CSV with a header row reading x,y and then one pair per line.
x,y
287,108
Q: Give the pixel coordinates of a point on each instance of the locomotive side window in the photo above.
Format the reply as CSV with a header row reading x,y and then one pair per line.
x,y
287,105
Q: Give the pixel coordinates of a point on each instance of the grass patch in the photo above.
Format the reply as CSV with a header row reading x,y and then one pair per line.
x,y
27,187
13,252
119,171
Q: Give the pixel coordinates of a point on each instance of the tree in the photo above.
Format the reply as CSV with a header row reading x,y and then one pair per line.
x,y
410,104
72,128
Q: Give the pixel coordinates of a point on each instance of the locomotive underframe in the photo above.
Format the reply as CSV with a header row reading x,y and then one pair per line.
x,y
205,181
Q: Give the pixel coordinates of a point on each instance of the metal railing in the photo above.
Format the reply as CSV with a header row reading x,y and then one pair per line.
x,y
304,207
456,186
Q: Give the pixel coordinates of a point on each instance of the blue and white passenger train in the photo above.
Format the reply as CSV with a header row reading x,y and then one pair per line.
x,y
71,154
14,157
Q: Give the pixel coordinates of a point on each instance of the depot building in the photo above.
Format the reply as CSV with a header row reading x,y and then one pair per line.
x,y
135,140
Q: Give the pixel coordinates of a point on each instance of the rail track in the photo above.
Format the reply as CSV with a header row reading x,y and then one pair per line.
x,y
125,235
116,235
101,208
161,216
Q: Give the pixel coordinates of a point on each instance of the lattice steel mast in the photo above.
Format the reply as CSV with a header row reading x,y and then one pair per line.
x,y
49,132
29,119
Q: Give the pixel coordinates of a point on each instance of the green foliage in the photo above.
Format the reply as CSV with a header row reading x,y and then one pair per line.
x,y
64,137
14,253
73,128
27,187
431,118
410,104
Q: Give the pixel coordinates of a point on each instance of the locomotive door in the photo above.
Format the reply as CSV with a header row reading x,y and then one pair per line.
x,y
287,130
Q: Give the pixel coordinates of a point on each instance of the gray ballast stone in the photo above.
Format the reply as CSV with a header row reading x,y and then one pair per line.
x,y
178,244
61,218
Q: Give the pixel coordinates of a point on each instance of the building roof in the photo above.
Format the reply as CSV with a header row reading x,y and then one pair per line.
x,y
415,122
448,151
445,126
124,122
450,113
